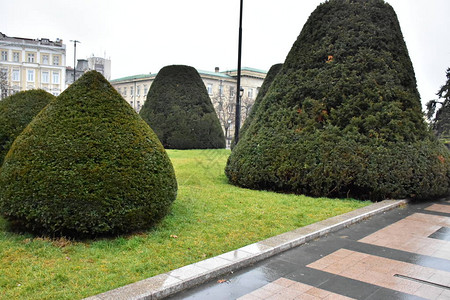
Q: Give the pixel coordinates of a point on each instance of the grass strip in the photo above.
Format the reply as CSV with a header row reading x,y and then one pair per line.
x,y
208,218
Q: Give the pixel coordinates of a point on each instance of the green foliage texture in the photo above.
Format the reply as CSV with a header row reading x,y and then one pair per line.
x,y
180,111
262,92
16,112
87,165
343,116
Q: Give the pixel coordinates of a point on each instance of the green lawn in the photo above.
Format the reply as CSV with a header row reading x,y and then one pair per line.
x,y
208,218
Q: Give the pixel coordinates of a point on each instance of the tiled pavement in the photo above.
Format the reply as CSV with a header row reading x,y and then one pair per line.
x,y
414,234
399,254
163,285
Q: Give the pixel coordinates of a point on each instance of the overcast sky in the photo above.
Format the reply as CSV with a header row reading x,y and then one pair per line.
x,y
142,36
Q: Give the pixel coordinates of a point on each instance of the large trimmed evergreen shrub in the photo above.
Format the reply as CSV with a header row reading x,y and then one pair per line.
x,y
16,112
86,165
180,111
262,92
343,117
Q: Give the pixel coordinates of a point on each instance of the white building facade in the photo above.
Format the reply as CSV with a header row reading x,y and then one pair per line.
x,y
99,64
27,64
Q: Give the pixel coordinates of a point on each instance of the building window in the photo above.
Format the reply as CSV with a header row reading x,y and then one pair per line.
x,y
209,87
55,60
231,92
56,77
4,55
45,59
124,91
220,90
30,58
119,91
16,56
138,90
145,90
250,93
131,91
15,75
45,77
138,105
30,75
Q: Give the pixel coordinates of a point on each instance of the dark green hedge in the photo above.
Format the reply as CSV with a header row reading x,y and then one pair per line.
x,y
16,112
336,164
343,116
87,165
262,92
180,111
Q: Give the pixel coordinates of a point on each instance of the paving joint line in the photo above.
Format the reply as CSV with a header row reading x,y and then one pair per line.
x,y
422,281
172,282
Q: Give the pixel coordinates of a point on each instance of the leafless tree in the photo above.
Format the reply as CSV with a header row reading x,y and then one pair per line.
x,y
4,84
224,107
246,106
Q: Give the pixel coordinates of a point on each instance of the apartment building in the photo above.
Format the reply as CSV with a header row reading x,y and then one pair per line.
x,y
99,64
27,64
221,87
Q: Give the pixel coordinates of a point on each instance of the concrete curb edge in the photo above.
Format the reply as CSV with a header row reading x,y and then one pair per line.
x,y
163,285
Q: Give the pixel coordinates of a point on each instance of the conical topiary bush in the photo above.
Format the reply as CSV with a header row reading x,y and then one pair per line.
x,y
180,111
16,112
343,117
273,71
86,165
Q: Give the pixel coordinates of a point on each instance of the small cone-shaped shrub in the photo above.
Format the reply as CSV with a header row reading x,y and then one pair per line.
x,y
262,92
180,111
87,165
343,117
16,112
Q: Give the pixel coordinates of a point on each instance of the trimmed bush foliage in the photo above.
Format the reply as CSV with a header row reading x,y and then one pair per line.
x,y
87,165
343,117
16,112
180,111
262,92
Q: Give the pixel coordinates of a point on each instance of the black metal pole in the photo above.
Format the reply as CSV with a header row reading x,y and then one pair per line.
x,y
238,90
74,60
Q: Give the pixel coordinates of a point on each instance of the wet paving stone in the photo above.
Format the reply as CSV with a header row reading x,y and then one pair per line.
x,y
399,254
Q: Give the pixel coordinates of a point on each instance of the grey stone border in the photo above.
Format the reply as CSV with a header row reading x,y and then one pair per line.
x,y
169,283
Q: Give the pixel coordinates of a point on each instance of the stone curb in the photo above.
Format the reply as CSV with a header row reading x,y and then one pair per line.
x,y
169,283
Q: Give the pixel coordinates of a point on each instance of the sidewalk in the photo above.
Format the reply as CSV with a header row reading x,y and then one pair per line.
x,y
403,253
255,286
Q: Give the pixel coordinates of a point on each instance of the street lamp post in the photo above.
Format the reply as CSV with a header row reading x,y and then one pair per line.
x,y
228,133
74,58
238,90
